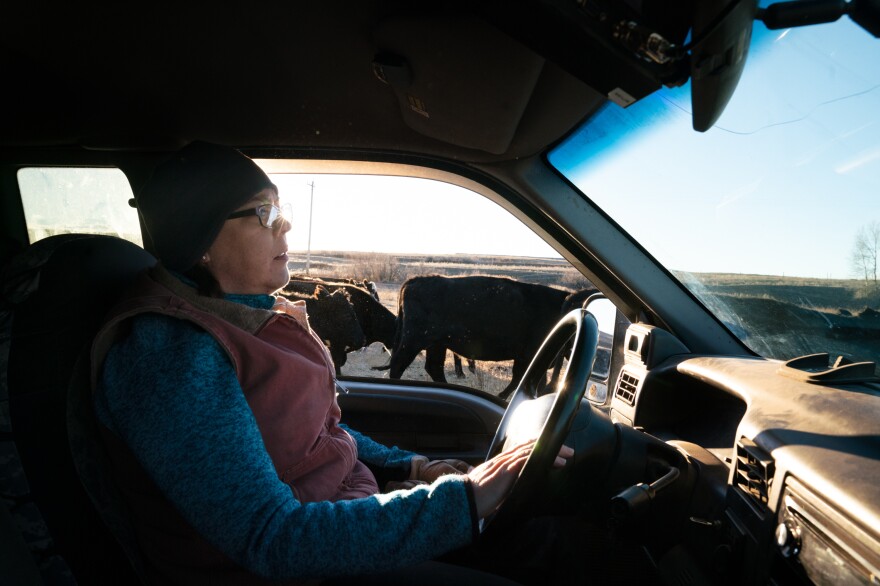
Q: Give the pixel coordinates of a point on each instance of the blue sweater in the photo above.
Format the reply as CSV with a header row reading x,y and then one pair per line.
x,y
170,393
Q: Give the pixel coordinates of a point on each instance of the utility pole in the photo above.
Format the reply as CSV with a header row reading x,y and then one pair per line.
x,y
309,249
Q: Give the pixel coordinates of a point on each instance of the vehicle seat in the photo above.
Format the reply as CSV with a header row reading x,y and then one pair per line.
x,y
58,291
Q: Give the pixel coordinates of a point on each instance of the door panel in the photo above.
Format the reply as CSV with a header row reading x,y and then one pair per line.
x,y
435,422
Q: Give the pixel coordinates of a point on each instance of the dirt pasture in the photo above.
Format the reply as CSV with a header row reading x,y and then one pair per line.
x,y
490,377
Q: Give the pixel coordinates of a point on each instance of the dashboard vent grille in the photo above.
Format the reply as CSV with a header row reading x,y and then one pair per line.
x,y
626,388
754,471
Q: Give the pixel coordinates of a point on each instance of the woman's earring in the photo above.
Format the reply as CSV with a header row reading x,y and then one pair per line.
x,y
204,258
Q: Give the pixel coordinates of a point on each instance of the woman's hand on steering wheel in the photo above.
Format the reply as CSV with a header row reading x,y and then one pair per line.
x,y
493,479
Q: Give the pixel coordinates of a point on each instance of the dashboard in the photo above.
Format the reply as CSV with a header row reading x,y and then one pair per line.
x,y
801,499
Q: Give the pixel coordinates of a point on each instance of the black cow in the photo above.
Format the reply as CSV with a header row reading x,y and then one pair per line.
x,y
377,321
482,318
370,286
332,317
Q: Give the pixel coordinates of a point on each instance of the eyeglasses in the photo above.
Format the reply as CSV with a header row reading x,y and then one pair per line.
x,y
271,216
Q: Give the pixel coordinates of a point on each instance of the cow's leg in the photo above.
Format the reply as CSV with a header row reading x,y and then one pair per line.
x,y
518,370
401,359
339,360
472,365
507,390
456,360
435,359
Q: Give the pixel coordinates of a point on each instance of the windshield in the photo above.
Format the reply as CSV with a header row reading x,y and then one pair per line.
x,y
772,217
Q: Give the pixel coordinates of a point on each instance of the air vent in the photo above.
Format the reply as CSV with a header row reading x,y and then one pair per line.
x,y
626,388
754,471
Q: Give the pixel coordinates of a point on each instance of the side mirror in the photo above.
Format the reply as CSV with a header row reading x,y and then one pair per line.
x,y
605,313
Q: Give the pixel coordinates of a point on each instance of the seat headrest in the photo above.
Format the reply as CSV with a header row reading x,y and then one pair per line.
x,y
58,291
68,270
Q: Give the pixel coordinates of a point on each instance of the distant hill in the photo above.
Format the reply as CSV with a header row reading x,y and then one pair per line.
x,y
397,268
819,294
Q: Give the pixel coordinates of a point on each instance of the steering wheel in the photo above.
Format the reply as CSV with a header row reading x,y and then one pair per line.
x,y
546,417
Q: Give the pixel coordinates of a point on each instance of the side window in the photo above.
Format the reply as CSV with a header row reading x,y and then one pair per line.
x,y
60,200
382,232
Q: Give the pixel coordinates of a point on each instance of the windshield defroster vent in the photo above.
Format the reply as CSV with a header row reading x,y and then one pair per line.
x,y
754,471
626,389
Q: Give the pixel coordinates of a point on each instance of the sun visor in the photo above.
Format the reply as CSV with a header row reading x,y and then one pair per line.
x,y
460,81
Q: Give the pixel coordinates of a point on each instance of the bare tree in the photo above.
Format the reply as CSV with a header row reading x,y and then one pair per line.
x,y
865,252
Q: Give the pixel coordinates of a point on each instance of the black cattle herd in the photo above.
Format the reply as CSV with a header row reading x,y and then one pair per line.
x,y
478,318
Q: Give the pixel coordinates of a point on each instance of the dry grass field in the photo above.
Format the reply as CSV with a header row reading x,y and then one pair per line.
x,y
792,313
793,316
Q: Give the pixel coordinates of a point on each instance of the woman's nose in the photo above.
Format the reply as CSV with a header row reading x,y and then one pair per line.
x,y
284,225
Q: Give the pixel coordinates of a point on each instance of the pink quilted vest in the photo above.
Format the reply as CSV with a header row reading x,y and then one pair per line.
x,y
287,376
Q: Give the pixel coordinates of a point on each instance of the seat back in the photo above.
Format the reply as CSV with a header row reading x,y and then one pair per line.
x,y
59,295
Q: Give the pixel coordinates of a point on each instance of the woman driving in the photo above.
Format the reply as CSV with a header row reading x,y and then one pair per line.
x,y
217,404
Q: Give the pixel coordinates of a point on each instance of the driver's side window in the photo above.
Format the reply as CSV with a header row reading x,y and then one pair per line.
x,y
464,277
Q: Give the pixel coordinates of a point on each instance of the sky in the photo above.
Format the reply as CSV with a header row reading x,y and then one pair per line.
x,y
779,186
359,213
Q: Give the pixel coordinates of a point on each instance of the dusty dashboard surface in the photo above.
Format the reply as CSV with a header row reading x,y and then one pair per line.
x,y
803,457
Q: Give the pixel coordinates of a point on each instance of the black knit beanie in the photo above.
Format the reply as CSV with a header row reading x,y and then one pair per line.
x,y
187,199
